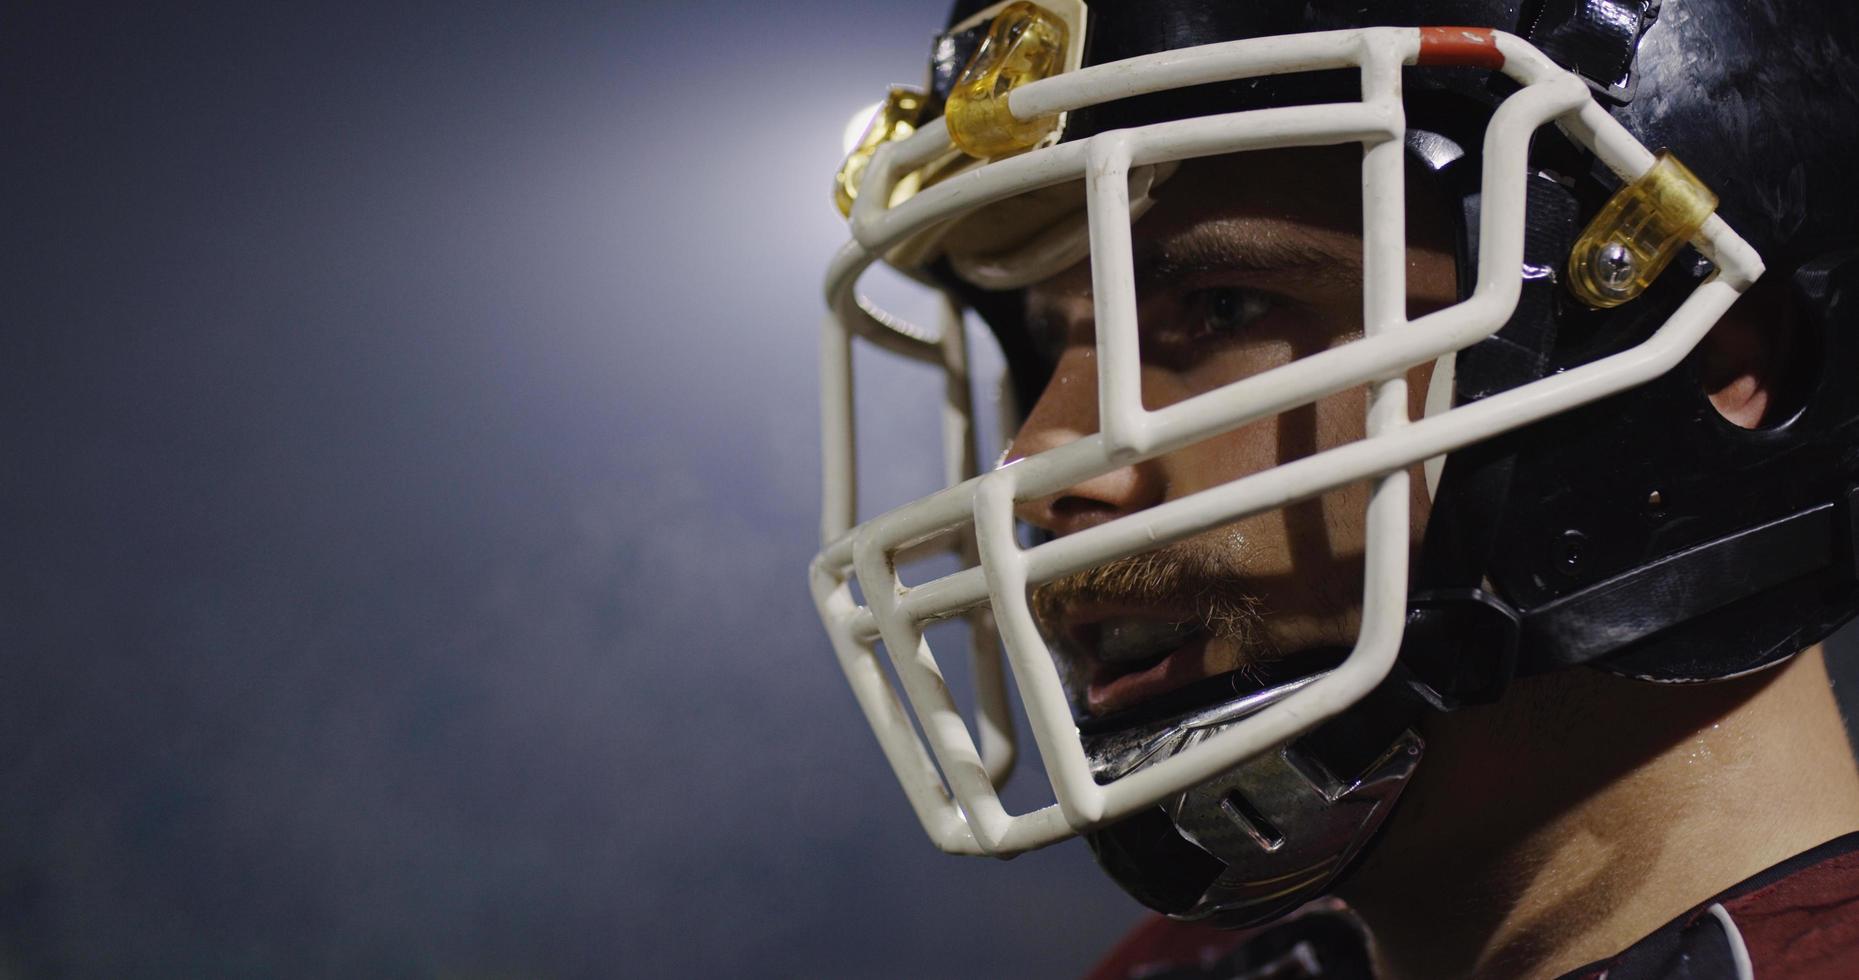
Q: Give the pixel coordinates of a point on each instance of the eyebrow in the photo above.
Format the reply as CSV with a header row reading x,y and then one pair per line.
x,y
1261,250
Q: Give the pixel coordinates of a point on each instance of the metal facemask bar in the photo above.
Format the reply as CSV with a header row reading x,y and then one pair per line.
x,y
949,780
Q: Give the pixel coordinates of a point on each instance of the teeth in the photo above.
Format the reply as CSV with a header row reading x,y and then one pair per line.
x,y
1123,640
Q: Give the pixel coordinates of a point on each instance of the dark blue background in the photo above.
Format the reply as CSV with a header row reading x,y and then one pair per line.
x,y
410,465
410,468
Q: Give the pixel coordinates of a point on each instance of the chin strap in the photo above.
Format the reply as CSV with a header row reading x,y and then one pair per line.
x,y
1263,838
1463,646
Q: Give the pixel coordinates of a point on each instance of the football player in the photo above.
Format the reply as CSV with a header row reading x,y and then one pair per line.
x,y
1434,462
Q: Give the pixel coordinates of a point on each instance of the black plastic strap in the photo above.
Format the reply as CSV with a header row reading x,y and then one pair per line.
x,y
1609,615
1463,646
1596,39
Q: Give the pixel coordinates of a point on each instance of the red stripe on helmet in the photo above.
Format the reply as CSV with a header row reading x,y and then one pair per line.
x,y
1475,47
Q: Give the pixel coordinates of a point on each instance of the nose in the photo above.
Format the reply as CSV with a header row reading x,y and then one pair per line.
x,y
1067,411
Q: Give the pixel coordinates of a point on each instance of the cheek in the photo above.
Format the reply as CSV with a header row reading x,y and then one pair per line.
x,y
1229,455
1331,422
1420,503
1216,370
1306,538
1223,458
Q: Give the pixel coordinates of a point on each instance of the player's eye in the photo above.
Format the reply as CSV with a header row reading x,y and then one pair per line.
x,y
1181,330
1224,311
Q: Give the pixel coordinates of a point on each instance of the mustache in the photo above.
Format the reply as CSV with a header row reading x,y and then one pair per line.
x,y
1202,579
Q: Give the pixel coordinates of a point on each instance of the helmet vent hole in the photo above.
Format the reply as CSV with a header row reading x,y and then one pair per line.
x,y
1760,364
1252,821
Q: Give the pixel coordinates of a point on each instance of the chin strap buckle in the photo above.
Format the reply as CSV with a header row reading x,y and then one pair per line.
x,y
1460,647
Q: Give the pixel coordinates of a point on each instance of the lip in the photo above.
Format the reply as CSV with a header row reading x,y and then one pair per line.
x,y
1113,686
1110,690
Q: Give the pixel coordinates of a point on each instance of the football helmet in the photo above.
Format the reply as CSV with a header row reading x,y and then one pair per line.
x,y
1618,172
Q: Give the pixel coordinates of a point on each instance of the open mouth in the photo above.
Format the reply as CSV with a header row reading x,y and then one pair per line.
x,y
1129,659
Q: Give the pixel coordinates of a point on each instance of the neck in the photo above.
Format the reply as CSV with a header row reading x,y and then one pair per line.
x,y
1586,810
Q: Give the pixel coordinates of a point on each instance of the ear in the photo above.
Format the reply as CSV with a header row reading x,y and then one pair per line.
x,y
1745,360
